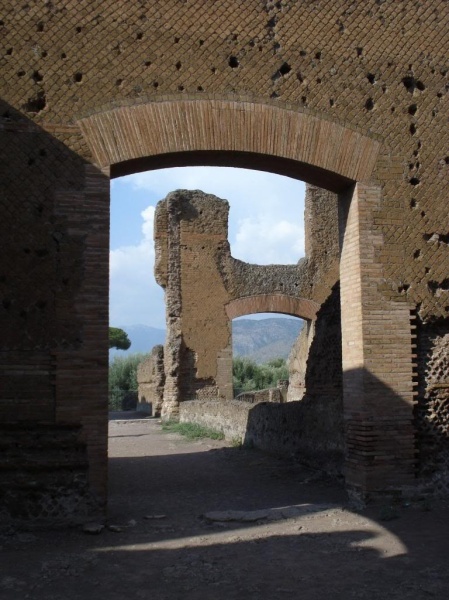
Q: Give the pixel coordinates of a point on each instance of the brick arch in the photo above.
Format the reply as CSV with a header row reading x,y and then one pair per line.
x,y
275,303
235,133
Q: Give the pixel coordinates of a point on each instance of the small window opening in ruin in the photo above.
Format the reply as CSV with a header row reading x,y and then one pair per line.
x,y
267,358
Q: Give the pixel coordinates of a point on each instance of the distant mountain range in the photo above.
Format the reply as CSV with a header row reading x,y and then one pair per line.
x,y
261,340
264,339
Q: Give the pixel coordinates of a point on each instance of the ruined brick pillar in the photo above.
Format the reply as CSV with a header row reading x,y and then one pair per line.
x,y
377,357
190,234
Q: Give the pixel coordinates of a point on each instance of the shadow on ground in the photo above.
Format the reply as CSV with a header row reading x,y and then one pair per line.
x,y
161,546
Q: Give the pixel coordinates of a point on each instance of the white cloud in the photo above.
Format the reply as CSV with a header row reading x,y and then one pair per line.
x,y
264,241
265,227
266,215
135,296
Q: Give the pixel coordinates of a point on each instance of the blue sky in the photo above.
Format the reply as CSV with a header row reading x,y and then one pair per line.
x,y
266,226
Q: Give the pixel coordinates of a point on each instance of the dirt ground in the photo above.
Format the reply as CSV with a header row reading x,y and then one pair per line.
x,y
159,545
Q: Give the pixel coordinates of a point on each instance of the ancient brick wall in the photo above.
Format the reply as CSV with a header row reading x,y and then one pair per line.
x,y
44,476
281,429
322,247
205,287
151,381
266,395
432,408
351,97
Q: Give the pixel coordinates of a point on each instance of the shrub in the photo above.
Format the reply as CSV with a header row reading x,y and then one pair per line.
x,y
123,371
249,376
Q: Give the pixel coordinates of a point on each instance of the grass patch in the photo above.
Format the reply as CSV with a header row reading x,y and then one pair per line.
x,y
237,442
192,431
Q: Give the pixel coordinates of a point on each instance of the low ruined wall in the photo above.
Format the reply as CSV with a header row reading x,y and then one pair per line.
x,y
229,417
294,428
267,395
304,429
151,379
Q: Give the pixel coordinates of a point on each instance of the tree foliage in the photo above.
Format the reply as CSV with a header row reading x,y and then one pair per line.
x,y
249,376
123,372
118,339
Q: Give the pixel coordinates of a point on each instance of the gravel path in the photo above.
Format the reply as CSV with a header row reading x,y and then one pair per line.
x,y
202,520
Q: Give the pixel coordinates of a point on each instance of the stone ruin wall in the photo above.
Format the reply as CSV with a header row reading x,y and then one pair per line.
x,y
202,280
190,230
315,362
322,248
265,395
432,407
151,382
334,93
192,254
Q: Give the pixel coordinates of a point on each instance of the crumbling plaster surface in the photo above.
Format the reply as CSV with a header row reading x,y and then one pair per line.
x,y
201,278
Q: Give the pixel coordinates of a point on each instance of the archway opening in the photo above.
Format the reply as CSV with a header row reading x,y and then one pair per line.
x,y
266,226
262,345
299,144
